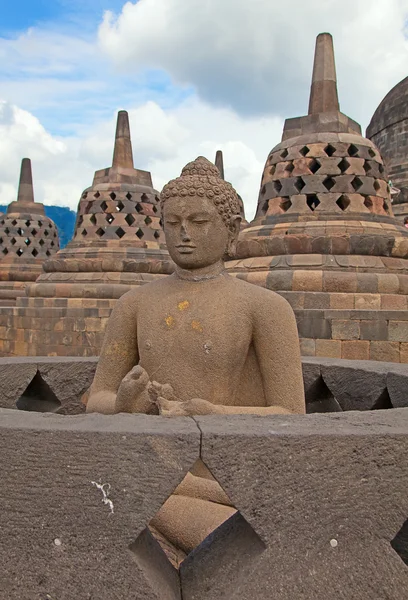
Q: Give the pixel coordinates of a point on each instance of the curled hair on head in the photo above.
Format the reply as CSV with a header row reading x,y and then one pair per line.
x,y
201,178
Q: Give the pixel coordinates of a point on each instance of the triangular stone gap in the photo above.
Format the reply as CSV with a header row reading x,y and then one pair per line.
x,y
383,402
38,396
400,543
319,399
197,526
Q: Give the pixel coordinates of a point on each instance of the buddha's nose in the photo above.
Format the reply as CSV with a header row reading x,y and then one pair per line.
x,y
184,234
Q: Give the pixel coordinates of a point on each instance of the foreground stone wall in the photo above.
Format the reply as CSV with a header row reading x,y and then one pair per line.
x,y
55,384
322,503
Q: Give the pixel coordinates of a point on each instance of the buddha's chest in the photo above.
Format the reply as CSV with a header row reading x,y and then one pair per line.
x,y
196,330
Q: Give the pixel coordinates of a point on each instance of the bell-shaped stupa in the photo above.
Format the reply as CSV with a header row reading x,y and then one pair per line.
x,y
118,241
27,239
324,235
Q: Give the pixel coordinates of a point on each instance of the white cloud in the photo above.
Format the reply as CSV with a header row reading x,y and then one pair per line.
x,y
163,142
257,56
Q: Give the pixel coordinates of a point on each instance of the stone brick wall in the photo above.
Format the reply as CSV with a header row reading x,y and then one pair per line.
x,y
322,506
55,384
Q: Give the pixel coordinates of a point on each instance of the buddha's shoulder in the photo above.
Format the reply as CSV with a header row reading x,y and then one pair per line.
x,y
259,296
143,292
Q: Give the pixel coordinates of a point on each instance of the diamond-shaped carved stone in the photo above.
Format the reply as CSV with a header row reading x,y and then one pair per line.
x,y
196,531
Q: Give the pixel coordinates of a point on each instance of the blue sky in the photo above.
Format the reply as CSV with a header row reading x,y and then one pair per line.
x,y
195,76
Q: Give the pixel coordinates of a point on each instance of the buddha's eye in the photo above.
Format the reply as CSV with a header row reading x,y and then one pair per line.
x,y
200,221
171,222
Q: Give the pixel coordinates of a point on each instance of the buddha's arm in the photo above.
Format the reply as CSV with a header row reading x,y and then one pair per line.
x,y
118,355
277,348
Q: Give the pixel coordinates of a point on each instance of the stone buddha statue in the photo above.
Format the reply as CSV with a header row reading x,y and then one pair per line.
x,y
199,341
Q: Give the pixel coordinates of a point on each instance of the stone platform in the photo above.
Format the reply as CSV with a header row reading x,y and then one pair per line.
x,y
321,506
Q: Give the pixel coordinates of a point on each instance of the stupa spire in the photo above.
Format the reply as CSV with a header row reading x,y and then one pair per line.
x,y
25,186
323,93
219,163
122,153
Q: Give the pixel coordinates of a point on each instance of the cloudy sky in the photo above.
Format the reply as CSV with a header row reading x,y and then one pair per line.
x,y
195,76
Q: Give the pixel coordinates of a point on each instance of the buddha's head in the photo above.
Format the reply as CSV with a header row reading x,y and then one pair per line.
x,y
201,216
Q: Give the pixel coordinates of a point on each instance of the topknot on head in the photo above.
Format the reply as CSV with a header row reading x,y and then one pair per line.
x,y
202,178
200,166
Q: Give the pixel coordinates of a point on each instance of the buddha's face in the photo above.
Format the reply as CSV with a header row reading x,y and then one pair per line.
x,y
196,235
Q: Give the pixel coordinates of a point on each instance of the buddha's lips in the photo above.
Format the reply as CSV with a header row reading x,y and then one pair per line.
x,y
184,248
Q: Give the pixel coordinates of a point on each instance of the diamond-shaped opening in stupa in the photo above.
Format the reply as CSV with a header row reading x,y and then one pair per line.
x,y
356,183
352,150
330,150
155,209
156,234
13,241
93,220
371,152
130,219
27,241
277,185
305,150
120,232
14,222
129,196
314,166
34,252
377,185
41,242
20,231
312,201
147,220
198,529
329,183
139,233
112,195
343,165
19,252
284,153
109,218
343,202
400,543
299,184
367,167
289,168
100,232
368,203
285,204
38,396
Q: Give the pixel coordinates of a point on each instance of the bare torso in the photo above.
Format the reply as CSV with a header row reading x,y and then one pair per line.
x,y
198,337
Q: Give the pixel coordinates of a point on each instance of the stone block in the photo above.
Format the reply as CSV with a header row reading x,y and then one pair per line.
x,y
363,466
355,350
342,301
15,376
307,281
307,347
398,331
355,385
367,301
373,330
397,385
77,497
393,302
345,330
385,351
329,348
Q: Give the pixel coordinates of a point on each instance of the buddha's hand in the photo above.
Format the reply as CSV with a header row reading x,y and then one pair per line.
x,y
133,393
195,406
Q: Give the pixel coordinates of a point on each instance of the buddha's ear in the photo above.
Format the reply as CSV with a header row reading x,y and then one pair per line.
x,y
233,232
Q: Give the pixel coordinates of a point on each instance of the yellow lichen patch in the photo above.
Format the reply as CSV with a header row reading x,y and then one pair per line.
x,y
169,321
183,305
196,325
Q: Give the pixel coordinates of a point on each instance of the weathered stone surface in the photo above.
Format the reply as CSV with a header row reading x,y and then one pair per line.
x,y
397,384
333,499
356,385
15,375
69,379
59,539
